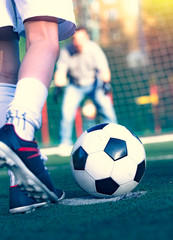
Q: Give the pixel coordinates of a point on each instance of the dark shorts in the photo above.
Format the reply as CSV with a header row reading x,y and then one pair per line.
x,y
7,34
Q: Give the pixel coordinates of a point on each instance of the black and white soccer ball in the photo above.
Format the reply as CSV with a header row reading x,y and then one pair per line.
x,y
108,160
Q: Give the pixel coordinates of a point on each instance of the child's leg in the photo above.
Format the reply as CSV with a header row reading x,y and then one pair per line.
x,y
35,75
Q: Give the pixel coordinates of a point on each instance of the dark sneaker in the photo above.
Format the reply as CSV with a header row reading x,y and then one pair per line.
x,y
23,158
19,202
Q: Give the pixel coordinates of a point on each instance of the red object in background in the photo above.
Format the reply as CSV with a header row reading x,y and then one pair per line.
x,y
78,122
45,126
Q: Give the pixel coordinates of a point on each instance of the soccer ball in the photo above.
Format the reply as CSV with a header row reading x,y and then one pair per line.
x,y
108,160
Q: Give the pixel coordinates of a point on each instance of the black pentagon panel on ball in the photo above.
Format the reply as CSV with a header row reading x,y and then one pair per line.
x,y
79,159
97,127
116,148
140,171
106,186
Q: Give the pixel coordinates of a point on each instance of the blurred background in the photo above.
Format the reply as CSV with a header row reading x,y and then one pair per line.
x,y
137,37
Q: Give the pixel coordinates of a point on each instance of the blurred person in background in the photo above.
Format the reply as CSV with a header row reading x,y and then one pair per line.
x,y
85,65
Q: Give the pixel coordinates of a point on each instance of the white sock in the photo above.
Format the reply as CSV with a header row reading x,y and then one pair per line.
x,y
24,112
7,92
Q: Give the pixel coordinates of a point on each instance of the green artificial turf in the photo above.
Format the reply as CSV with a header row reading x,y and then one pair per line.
x,y
146,218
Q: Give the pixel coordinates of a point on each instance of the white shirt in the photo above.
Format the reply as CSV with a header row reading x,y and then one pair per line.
x,y
84,66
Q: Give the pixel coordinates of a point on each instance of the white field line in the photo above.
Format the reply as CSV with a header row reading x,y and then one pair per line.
x,y
164,157
91,200
49,151
157,139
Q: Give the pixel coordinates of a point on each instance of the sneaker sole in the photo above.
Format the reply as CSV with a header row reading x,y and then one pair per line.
x,y
28,209
25,178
